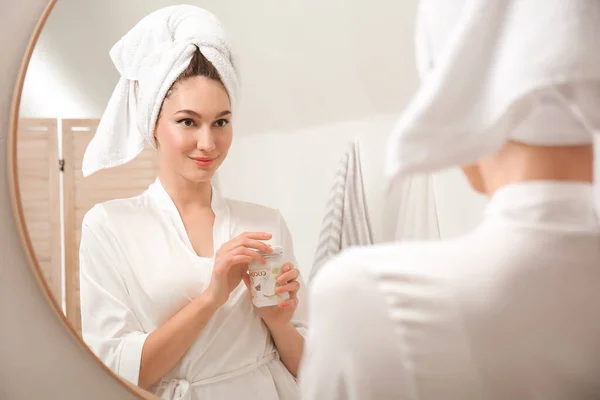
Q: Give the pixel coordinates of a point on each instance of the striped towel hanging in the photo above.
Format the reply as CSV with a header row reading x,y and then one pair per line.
x,y
346,221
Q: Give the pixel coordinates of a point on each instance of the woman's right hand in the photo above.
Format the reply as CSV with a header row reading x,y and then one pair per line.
x,y
231,262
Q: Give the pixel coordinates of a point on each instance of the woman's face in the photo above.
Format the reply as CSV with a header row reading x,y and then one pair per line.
x,y
194,132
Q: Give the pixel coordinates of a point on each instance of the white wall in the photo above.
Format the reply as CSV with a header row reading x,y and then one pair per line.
x,y
294,171
302,63
314,75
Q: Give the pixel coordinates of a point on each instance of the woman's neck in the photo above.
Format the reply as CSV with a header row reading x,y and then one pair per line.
x,y
521,163
186,194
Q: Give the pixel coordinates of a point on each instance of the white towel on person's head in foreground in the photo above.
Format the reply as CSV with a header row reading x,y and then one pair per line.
x,y
498,70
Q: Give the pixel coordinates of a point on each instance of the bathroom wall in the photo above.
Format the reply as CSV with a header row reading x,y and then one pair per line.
x,y
306,92
294,171
307,89
302,64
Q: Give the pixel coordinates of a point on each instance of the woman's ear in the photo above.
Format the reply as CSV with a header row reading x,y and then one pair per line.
x,y
473,174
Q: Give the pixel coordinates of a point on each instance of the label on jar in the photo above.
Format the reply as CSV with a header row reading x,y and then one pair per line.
x,y
262,286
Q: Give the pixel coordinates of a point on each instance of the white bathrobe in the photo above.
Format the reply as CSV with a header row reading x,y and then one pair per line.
x,y
509,311
138,268
512,309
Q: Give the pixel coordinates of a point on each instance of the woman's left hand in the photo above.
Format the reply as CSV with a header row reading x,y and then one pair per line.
x,y
281,314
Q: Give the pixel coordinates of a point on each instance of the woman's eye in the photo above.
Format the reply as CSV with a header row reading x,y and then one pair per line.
x,y
221,123
186,122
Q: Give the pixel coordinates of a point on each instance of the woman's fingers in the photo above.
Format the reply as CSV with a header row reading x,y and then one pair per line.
x,y
254,255
257,235
238,240
257,245
246,279
288,288
232,260
241,255
237,259
289,303
288,276
253,240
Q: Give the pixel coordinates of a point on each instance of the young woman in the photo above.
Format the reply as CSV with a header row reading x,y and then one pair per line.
x,y
162,299
511,310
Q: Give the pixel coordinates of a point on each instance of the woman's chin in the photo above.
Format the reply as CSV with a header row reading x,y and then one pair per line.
x,y
200,176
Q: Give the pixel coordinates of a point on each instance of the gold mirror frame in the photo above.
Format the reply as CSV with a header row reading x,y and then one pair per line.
x,y
17,206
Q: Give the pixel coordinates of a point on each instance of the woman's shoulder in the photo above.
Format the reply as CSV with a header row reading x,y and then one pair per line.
x,y
116,209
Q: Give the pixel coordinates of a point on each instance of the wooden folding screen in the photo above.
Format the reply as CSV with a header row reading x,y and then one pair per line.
x,y
81,194
38,174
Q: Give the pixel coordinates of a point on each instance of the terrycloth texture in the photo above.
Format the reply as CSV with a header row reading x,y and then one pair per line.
x,y
149,58
346,221
486,67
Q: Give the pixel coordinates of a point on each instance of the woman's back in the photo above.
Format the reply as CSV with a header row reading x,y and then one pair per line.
x,y
509,311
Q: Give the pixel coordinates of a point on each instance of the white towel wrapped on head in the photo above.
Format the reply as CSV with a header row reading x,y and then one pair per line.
x,y
488,65
149,58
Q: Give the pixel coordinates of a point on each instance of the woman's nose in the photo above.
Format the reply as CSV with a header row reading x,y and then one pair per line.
x,y
205,140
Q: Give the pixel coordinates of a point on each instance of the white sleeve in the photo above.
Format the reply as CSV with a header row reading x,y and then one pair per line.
x,y
109,326
351,350
299,320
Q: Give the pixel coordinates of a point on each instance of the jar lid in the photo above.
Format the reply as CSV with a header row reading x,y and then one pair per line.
x,y
277,251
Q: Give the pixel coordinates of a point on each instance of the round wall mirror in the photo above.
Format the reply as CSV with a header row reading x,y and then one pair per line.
x,y
321,88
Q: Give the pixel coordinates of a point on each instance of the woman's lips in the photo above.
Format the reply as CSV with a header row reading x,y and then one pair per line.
x,y
202,161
